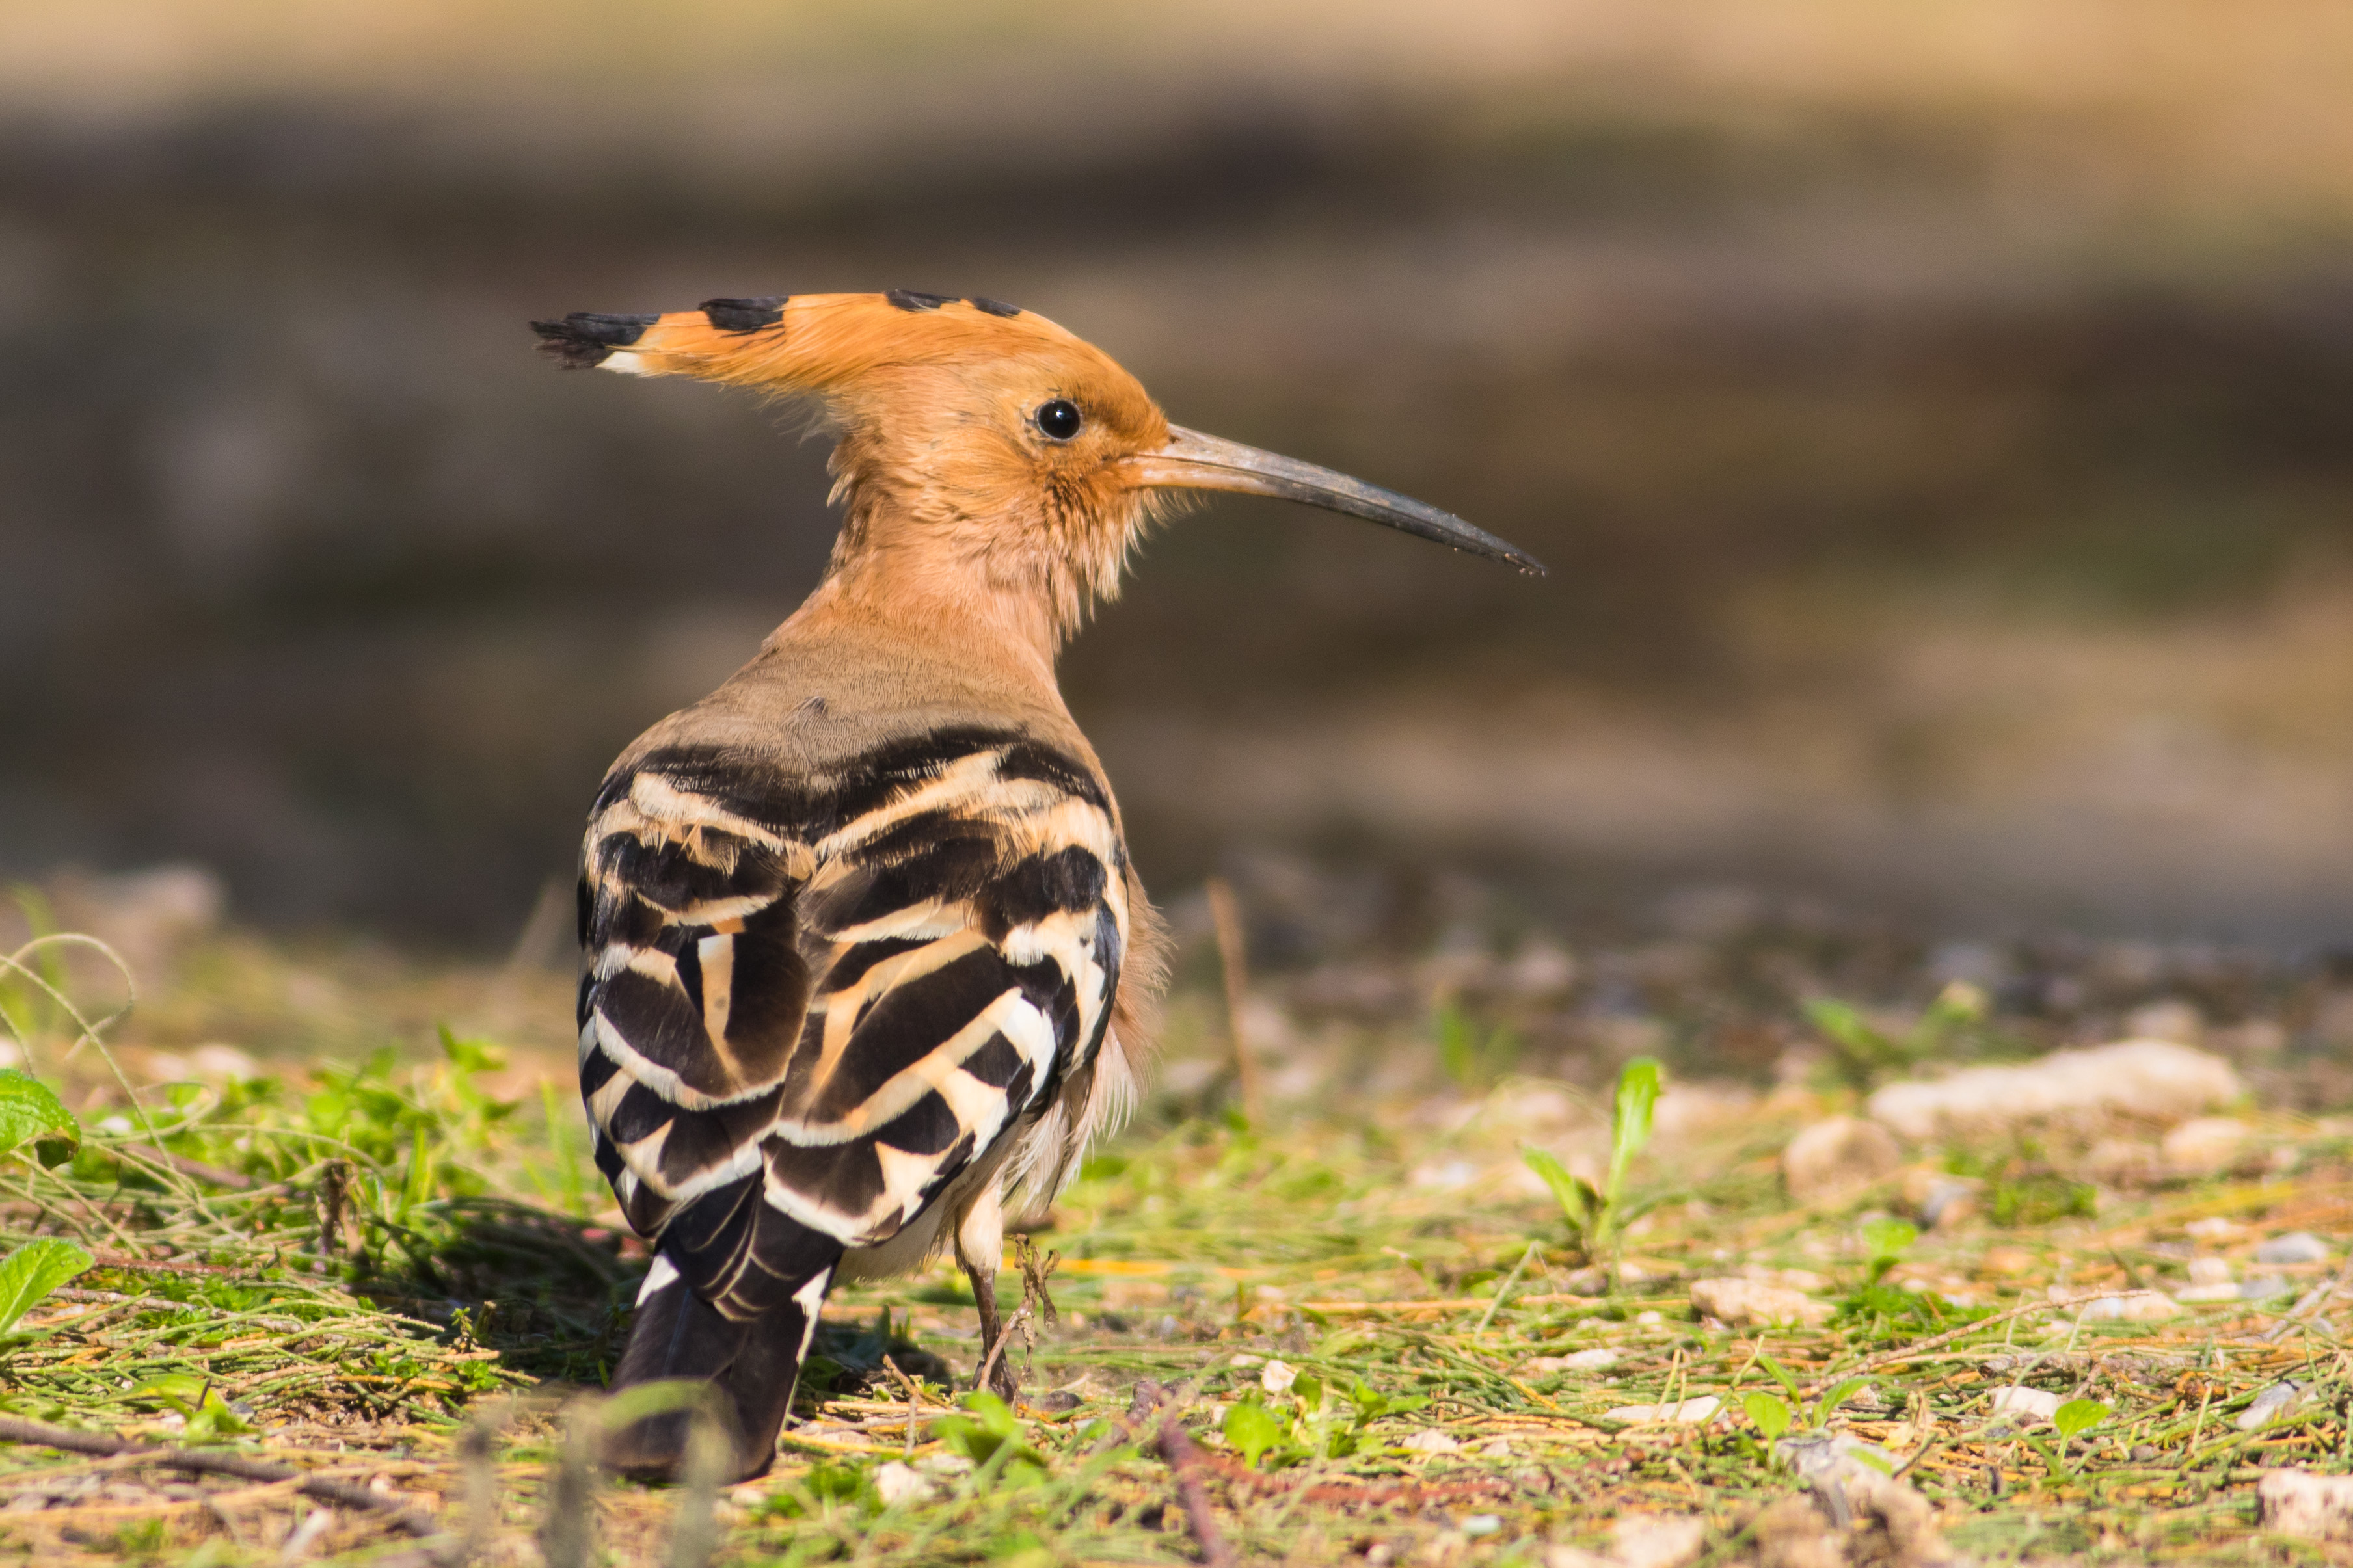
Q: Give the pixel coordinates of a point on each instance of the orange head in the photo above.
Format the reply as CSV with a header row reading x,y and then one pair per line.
x,y
977,439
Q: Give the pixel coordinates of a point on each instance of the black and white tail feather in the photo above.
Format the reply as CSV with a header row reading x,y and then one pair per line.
x,y
827,1016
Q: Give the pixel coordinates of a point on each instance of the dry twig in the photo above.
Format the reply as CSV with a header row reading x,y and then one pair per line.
x,y
204,1462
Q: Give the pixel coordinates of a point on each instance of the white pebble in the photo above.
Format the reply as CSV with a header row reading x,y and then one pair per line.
x,y
898,1482
2034,1403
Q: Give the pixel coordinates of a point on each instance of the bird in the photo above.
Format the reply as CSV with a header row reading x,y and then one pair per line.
x,y
866,961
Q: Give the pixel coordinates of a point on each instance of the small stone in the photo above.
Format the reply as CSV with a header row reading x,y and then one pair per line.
x,y
2172,1019
1684,1413
2034,1405
1818,1457
2297,1502
2204,1295
2205,1145
2295,1247
1430,1440
2132,1307
1747,1302
2264,1288
1837,1159
1278,1377
1657,1541
2209,1271
899,1482
2157,1080
1576,1557
2213,1228
1804,1279
2274,1404
1946,1204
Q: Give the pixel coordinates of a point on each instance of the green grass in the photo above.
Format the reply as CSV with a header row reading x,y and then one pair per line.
x,y
1360,1314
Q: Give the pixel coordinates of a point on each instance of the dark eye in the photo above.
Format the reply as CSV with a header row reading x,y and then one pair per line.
x,y
1058,418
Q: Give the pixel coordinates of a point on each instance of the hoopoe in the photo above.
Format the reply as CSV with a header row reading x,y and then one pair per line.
x,y
866,962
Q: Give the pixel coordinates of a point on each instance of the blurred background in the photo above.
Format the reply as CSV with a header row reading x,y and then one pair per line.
x,y
1938,420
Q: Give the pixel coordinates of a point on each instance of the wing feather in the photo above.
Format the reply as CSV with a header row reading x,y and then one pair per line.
x,y
811,1006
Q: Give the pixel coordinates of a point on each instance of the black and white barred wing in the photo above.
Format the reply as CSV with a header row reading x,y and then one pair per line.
x,y
808,1012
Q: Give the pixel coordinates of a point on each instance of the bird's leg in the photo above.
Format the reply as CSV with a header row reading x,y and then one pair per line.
x,y
980,1247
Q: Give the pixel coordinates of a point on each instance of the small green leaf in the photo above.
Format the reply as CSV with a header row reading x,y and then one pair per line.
x,y
1573,1195
2078,1415
1772,1417
988,1425
208,1414
1846,1029
1889,1238
1887,1241
32,1271
1639,1084
30,1112
1837,1395
2051,1460
1780,1375
470,1055
1252,1429
1454,1047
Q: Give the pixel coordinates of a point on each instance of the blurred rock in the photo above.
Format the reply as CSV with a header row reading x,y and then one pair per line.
x,y
2155,1080
2022,1403
2206,1295
1540,970
2298,1503
2131,1307
2274,1404
1791,1532
1746,1302
1599,1359
1656,1540
1936,1198
2172,1019
1686,1412
2295,1247
1802,1280
2205,1145
1838,1159
1878,1519
897,1483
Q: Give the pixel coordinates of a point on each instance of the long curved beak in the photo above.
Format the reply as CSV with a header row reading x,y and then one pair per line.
x,y
1192,461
